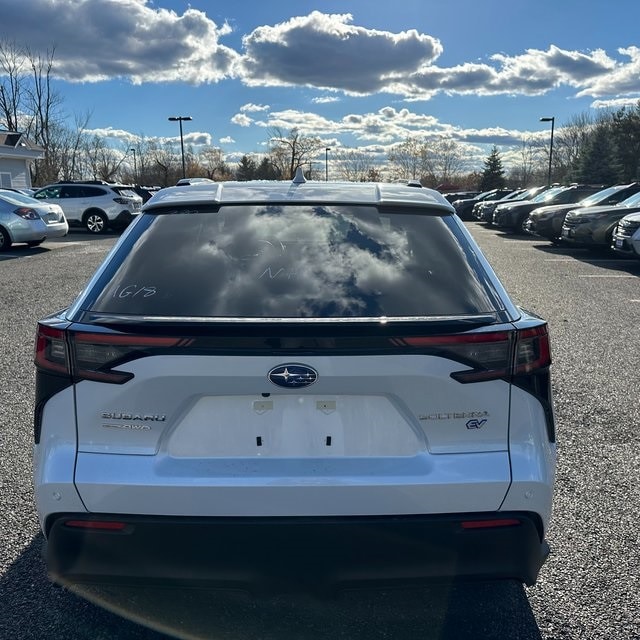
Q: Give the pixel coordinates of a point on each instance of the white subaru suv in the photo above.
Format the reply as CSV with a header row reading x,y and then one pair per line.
x,y
96,205
300,383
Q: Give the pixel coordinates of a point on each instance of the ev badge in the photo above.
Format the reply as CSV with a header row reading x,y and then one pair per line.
x,y
475,424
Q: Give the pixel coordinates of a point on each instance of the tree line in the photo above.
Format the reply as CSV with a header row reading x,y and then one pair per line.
x,y
602,148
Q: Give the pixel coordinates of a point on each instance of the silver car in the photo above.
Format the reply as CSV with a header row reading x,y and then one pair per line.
x,y
24,219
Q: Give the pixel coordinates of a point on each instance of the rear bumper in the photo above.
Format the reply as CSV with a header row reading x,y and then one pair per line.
x,y
312,553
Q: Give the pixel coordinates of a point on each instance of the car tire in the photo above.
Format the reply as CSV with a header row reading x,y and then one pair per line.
x,y
520,228
95,222
5,240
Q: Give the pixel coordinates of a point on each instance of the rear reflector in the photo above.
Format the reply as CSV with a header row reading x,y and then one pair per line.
x,y
490,524
96,525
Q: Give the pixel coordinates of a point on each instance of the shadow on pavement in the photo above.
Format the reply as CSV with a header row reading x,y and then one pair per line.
x,y
31,607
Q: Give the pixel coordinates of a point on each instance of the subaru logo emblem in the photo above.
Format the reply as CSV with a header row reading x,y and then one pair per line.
x,y
292,375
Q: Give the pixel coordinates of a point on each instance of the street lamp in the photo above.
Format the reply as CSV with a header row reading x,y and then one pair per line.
x,y
326,163
181,119
552,120
135,166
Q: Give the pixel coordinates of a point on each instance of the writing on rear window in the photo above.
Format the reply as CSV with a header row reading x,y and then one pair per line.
x,y
134,291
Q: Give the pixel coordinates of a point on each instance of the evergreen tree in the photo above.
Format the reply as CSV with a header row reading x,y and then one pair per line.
x,y
597,163
247,169
625,129
266,171
492,176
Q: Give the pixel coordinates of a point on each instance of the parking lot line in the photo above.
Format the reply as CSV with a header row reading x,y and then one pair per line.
x,y
607,275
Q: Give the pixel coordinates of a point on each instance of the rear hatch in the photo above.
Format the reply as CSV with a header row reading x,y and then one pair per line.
x,y
293,360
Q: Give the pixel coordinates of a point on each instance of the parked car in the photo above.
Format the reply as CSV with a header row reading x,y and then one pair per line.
x,y
96,205
626,236
189,181
483,211
464,207
547,221
512,217
460,195
344,369
26,220
594,227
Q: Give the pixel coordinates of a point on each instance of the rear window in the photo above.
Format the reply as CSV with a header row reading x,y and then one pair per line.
x,y
294,261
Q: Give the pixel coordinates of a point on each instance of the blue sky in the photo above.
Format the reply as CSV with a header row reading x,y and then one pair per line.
x,y
357,73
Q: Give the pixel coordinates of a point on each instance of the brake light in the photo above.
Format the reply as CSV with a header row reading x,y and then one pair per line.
x,y
94,356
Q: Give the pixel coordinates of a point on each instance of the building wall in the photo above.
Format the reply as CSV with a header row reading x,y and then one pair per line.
x,y
18,173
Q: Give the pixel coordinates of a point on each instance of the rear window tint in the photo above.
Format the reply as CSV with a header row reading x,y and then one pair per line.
x,y
294,261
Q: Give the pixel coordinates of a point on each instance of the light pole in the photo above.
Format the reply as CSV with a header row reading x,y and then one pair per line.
x,y
552,120
181,119
326,163
135,166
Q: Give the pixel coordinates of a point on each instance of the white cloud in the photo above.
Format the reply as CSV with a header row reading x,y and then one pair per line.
x,y
227,140
254,108
616,103
325,99
96,40
242,120
326,50
99,40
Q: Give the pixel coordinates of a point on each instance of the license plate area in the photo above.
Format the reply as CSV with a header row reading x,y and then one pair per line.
x,y
299,426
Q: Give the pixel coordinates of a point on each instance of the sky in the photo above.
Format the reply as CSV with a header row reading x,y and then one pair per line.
x,y
356,73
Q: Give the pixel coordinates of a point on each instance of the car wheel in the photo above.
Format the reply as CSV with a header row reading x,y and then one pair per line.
x,y
5,240
96,222
521,228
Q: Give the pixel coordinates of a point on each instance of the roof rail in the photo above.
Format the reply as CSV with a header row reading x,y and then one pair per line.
x,y
414,183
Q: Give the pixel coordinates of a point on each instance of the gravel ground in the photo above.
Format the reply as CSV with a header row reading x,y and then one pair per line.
x,y
589,588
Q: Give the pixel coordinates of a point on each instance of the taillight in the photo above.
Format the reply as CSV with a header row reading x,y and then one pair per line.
x,y
26,213
94,356
533,351
51,350
491,355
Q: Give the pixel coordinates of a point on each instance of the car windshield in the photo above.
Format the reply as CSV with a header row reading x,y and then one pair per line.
x,y
548,194
600,196
632,201
296,261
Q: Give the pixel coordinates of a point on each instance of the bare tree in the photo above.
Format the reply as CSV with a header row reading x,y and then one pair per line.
x,y
12,84
289,151
530,164
408,159
354,165
568,143
444,160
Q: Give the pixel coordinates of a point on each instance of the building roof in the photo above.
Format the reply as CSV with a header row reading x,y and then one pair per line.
x,y
14,144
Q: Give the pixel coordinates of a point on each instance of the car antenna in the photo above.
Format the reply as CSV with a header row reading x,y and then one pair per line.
x,y
299,177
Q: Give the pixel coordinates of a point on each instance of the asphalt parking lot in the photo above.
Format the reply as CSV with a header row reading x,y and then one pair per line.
x,y
590,587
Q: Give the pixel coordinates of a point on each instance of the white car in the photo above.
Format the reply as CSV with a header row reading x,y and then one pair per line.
x,y
294,382
25,220
626,237
95,205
